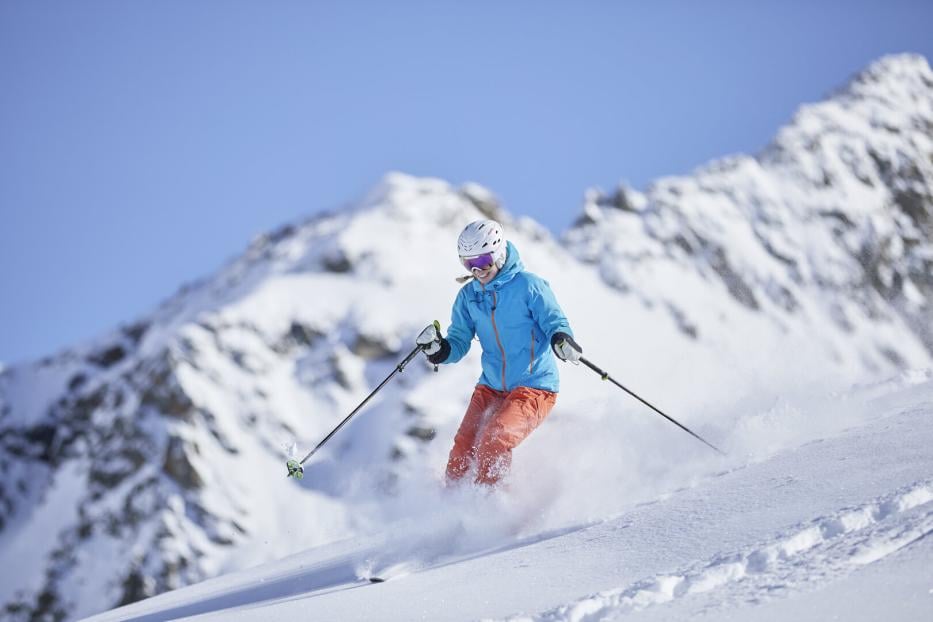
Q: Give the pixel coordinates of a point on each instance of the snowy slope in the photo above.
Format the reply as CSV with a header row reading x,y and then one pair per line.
x,y
152,458
746,542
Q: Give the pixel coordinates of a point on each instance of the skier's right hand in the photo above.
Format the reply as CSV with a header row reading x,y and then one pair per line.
x,y
435,347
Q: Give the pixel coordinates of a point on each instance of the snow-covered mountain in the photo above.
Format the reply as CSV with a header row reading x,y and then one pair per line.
x,y
153,457
824,238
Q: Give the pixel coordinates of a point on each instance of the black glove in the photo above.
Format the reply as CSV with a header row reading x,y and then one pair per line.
x,y
434,346
565,348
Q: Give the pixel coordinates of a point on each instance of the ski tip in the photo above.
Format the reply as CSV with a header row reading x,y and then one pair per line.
x,y
376,580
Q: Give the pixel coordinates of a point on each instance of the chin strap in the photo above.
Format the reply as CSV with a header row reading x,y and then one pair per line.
x,y
464,279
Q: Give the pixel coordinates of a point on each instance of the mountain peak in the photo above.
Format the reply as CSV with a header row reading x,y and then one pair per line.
x,y
871,118
401,192
396,188
901,83
895,70
834,220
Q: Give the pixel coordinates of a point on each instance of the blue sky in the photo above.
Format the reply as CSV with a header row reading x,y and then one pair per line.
x,y
142,144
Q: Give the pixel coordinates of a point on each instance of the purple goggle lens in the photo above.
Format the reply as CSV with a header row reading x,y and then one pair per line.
x,y
480,262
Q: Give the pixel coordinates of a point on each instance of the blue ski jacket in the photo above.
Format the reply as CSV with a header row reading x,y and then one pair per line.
x,y
514,316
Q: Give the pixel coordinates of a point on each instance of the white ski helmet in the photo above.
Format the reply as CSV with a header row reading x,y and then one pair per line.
x,y
481,237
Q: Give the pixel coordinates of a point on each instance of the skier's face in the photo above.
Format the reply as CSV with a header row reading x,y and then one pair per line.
x,y
482,266
485,276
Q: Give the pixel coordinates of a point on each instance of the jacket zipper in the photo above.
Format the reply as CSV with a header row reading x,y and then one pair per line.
x,y
531,363
498,341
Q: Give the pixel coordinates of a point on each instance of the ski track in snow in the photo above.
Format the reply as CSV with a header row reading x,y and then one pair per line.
x,y
823,550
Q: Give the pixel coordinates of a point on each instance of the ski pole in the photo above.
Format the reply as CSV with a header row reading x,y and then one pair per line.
x,y
295,468
606,376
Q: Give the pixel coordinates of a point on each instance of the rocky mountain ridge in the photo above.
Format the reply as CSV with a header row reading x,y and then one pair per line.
x,y
830,223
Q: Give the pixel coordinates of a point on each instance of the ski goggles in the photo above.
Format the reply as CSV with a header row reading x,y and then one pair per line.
x,y
480,262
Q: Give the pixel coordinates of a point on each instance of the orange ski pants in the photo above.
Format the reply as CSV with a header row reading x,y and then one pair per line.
x,y
494,424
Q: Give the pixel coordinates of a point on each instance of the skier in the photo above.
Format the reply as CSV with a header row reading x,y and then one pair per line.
x,y
515,315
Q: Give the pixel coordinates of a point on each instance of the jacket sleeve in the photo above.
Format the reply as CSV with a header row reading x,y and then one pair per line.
x,y
462,329
545,310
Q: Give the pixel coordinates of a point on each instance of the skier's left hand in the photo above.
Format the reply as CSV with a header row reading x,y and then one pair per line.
x,y
566,348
